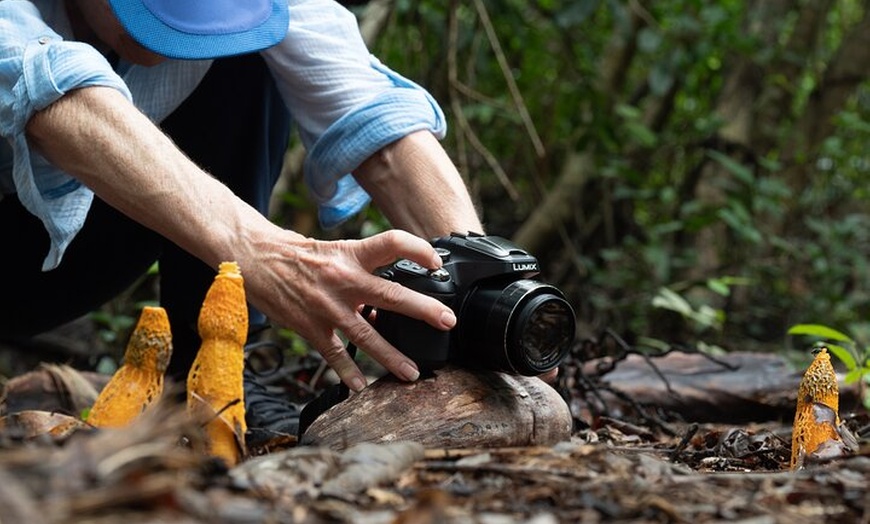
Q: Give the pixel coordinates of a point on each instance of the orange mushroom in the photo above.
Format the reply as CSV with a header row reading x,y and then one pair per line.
x,y
139,380
816,417
215,391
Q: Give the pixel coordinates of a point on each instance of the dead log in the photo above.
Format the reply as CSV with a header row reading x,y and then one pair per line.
x,y
455,408
735,388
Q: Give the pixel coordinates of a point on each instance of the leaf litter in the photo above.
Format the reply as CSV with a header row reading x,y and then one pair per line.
x,y
620,465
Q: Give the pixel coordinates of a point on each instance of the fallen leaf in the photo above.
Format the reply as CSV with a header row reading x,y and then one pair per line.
x,y
30,424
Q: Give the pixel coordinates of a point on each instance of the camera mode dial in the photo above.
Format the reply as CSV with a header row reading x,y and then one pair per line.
x,y
419,278
444,253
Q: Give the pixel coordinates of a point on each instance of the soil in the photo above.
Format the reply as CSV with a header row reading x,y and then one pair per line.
x,y
633,456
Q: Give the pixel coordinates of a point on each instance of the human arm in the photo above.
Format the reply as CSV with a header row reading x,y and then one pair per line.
x,y
313,287
417,187
356,115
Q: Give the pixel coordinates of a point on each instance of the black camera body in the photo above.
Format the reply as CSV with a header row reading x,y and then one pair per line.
x,y
507,321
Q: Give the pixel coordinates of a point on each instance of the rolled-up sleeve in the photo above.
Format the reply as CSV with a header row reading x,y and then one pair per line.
x,y
37,67
346,104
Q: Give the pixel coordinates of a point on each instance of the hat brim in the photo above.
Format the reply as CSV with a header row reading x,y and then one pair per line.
x,y
153,34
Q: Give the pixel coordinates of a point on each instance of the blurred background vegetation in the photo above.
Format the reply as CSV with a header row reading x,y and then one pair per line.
x,y
691,172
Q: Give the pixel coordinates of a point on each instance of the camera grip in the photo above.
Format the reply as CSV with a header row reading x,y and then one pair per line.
x,y
427,346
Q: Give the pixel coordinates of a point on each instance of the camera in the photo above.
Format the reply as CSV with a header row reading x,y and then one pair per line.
x,y
507,320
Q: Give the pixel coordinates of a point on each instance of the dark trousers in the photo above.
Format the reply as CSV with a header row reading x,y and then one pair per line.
x,y
234,126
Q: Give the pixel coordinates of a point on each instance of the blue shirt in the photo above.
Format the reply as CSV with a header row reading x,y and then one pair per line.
x,y
346,104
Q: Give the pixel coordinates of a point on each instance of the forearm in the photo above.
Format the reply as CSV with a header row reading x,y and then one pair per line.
x,y
315,288
96,135
415,184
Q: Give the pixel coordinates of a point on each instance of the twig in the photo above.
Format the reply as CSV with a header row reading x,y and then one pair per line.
x,y
687,437
453,82
443,454
644,14
628,428
511,470
508,76
464,126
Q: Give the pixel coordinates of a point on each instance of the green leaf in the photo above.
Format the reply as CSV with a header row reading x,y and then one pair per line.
x,y
844,355
854,376
820,331
653,343
719,286
738,219
734,167
641,134
628,112
667,299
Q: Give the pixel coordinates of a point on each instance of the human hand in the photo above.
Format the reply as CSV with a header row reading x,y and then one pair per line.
x,y
317,289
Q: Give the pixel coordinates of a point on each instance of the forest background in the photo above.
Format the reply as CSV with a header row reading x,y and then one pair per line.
x,y
690,173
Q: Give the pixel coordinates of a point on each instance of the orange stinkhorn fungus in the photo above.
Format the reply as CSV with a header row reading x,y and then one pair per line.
x,y
816,417
139,380
215,391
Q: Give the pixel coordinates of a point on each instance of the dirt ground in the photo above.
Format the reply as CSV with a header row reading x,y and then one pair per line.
x,y
626,461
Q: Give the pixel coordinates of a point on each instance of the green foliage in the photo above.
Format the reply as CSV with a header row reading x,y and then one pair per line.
x,y
112,325
714,211
115,320
855,356
703,316
733,226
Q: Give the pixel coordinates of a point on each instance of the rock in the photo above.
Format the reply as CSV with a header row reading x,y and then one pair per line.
x,y
455,408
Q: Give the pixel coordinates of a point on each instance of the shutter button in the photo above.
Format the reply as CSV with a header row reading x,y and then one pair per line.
x,y
440,274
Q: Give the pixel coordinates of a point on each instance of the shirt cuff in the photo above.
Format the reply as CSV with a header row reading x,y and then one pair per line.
x,y
50,69
356,136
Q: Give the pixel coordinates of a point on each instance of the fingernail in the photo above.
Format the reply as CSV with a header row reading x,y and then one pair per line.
x,y
448,319
357,384
410,372
436,261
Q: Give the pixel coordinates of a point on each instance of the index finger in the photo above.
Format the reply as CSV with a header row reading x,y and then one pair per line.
x,y
393,296
385,248
367,339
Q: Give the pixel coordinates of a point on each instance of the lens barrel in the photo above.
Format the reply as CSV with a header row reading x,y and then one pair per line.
x,y
525,327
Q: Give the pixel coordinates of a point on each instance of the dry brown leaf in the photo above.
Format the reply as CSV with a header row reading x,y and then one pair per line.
x,y
288,475
367,465
79,391
32,423
52,387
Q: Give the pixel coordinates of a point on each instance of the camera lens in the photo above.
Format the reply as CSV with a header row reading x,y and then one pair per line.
x,y
543,330
525,327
